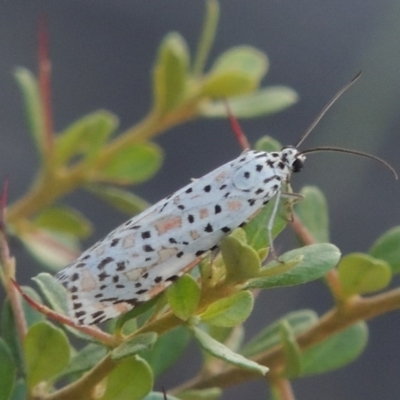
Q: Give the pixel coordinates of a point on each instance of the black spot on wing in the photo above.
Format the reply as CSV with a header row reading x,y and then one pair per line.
x,y
208,228
146,235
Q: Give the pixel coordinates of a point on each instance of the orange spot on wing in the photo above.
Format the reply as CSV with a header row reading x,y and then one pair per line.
x,y
220,177
168,224
203,213
194,234
88,283
129,241
234,205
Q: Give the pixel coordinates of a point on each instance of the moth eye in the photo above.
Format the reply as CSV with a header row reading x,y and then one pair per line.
x,y
297,165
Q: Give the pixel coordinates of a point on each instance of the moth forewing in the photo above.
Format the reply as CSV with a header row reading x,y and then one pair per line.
x,y
147,253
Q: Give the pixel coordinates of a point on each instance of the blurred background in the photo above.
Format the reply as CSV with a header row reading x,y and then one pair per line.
x,y
102,53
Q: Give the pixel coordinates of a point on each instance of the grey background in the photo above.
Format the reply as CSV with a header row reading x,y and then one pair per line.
x,y
102,52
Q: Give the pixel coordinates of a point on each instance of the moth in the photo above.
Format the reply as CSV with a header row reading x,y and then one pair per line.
x,y
143,256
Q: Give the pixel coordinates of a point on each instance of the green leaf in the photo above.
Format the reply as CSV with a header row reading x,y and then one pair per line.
x,y
229,311
159,396
280,268
131,379
387,248
85,359
204,394
268,144
33,105
7,371
53,291
183,297
64,219
236,72
135,312
313,213
8,325
299,321
265,101
242,58
337,351
53,250
85,137
171,73
167,350
231,337
317,260
20,391
42,361
139,343
120,199
291,350
218,350
132,164
241,261
360,274
224,84
56,295
256,229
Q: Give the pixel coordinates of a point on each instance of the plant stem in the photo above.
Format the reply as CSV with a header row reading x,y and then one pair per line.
x,y
334,321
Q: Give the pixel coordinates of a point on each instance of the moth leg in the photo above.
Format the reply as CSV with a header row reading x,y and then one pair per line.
x,y
293,199
271,225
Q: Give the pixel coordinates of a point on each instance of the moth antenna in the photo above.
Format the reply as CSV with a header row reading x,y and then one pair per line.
x,y
355,152
237,129
326,108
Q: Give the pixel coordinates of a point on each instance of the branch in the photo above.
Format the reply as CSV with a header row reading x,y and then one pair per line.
x,y
334,321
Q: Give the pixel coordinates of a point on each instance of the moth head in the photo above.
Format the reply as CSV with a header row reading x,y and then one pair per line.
x,y
293,158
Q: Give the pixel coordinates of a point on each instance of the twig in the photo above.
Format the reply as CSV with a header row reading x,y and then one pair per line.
x,y
94,332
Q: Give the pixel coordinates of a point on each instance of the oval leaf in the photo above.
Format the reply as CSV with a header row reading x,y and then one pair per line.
x,y
360,273
171,73
291,351
265,101
131,379
299,321
139,343
167,350
53,291
268,144
218,350
42,361
313,213
7,371
230,311
242,58
52,249
224,84
317,260
85,136
120,199
241,261
64,219
256,229
387,248
337,351
20,391
183,297
132,164
85,359
33,105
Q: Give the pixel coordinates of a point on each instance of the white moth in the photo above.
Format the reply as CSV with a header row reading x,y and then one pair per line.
x,y
146,254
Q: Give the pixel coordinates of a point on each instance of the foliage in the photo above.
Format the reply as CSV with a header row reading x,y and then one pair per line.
x,y
122,361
